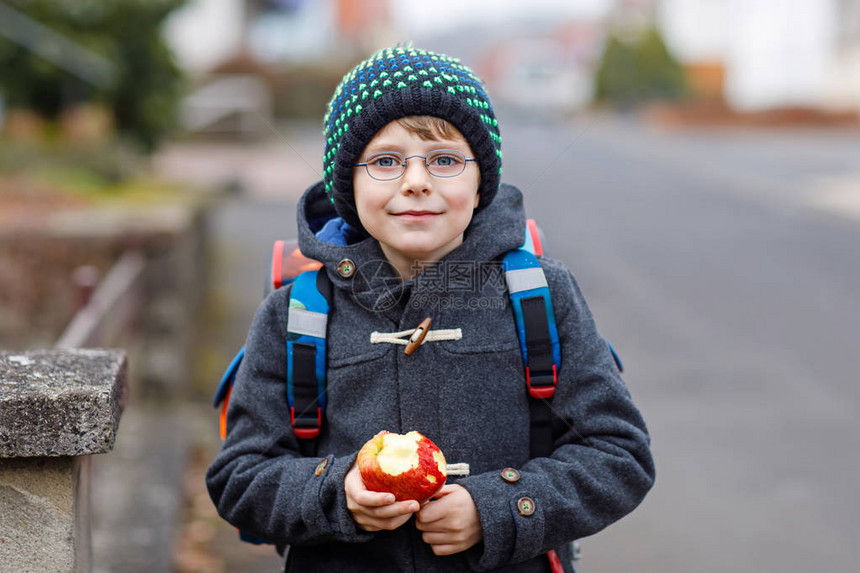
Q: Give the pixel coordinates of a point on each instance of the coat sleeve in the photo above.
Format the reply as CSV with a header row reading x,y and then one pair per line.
x,y
259,482
601,466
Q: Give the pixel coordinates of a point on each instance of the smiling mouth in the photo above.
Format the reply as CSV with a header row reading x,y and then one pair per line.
x,y
416,214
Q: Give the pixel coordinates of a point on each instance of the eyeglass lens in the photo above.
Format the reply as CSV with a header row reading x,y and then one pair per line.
x,y
390,165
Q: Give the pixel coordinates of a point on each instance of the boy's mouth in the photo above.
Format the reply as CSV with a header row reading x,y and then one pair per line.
x,y
415,215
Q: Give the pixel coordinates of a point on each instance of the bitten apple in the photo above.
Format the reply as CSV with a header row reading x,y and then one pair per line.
x,y
409,465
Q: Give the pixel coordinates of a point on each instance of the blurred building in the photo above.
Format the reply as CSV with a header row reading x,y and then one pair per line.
x,y
254,60
205,33
764,54
547,70
750,54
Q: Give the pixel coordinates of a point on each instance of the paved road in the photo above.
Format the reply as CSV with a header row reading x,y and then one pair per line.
x,y
733,299
724,267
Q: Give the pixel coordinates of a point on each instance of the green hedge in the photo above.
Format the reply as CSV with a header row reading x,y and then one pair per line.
x,y
143,93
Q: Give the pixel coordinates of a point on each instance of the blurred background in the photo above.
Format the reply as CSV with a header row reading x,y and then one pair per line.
x,y
695,162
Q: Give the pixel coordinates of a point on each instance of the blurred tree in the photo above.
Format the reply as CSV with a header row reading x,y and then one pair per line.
x,y
638,69
107,52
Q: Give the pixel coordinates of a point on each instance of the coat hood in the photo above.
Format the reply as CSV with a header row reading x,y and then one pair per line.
x,y
494,230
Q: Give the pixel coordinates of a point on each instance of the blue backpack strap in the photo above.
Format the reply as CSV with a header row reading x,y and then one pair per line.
x,y
535,318
539,344
306,353
225,388
615,356
535,321
228,378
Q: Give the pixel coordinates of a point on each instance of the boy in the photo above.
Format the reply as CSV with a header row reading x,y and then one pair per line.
x,y
411,197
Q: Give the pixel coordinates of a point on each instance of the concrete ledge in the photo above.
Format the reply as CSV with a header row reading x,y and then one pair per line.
x,y
60,402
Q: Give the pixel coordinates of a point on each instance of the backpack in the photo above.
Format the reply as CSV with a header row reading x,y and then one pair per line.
x,y
306,345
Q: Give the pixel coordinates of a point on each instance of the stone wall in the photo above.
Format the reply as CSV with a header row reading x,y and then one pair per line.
x,y
45,509
38,298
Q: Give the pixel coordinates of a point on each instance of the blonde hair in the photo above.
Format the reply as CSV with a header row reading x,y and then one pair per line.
x,y
430,128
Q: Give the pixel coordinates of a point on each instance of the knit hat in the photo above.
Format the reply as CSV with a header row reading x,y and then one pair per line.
x,y
398,82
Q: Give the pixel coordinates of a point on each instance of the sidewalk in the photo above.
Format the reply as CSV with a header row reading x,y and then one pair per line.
x,y
151,511
276,169
137,491
242,230
205,543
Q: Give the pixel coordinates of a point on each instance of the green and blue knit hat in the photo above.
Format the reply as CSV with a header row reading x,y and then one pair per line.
x,y
398,82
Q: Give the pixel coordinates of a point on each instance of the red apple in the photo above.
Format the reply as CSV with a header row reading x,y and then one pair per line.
x,y
410,466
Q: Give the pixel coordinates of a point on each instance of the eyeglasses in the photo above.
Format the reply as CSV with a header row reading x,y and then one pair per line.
x,y
390,165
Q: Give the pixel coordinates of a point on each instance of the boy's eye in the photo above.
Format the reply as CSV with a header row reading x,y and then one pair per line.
x,y
385,161
445,159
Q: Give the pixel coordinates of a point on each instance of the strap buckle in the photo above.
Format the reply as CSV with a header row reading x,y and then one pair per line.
x,y
542,384
306,428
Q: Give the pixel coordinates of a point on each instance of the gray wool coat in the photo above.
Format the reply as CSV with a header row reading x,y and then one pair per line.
x,y
468,395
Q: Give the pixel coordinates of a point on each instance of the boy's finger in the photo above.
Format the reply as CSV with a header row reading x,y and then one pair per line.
x,y
446,489
424,520
429,527
391,523
374,499
437,538
398,509
445,549
431,512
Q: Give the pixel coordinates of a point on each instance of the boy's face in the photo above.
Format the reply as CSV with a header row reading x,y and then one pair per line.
x,y
417,217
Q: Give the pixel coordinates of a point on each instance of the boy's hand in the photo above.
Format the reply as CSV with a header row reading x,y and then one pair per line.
x,y
373,510
450,522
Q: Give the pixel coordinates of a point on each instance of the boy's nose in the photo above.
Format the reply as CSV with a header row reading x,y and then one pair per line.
x,y
416,179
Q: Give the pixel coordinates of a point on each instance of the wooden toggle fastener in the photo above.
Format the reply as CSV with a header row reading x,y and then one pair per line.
x,y
418,336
